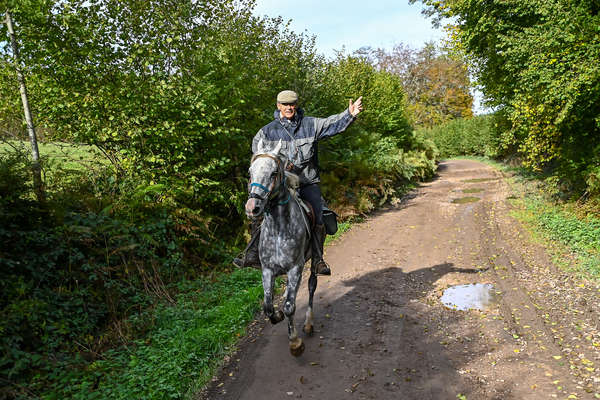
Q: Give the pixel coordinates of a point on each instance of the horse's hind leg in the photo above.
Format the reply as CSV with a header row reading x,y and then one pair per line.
x,y
268,285
312,286
289,308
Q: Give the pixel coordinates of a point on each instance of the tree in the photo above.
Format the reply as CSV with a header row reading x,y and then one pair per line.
x,y
537,60
35,154
436,81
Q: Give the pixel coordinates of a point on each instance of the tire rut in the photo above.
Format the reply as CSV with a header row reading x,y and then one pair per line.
x,y
382,332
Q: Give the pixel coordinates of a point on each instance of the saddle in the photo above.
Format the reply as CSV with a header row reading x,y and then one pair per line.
x,y
293,183
329,216
309,212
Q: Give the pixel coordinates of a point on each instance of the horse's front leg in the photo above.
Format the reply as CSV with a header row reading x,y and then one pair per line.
x,y
268,279
289,308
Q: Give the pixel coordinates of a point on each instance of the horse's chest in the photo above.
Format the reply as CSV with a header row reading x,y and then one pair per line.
x,y
278,248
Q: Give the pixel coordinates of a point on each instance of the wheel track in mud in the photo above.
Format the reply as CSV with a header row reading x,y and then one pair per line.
x,y
382,333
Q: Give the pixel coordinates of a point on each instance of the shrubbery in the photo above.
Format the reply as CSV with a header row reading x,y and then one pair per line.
x,y
478,136
171,93
537,62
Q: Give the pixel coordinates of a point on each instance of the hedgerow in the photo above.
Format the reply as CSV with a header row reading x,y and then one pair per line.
x,y
111,288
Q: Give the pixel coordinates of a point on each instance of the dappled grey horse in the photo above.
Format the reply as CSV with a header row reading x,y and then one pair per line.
x,y
284,243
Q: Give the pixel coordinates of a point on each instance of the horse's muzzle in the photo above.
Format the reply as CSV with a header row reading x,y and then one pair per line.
x,y
254,208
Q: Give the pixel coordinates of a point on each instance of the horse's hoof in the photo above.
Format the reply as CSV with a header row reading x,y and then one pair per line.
x,y
309,330
297,347
277,317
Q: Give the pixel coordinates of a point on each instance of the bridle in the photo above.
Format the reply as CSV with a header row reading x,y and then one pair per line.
x,y
278,183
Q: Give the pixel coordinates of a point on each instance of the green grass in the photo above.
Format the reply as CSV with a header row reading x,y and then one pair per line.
x,y
465,200
181,352
573,242
66,155
473,190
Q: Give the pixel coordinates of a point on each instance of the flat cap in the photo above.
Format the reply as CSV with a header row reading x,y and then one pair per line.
x,y
287,96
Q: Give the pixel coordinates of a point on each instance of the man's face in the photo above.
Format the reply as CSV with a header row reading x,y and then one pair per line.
x,y
288,110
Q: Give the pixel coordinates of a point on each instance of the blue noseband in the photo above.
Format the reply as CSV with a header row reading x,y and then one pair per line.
x,y
260,186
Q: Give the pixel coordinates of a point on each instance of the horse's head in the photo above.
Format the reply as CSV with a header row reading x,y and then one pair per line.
x,y
266,179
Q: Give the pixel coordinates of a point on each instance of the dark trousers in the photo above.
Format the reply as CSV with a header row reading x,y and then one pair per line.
x,y
312,194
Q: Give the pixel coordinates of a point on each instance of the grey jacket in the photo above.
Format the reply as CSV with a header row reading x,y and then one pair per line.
x,y
299,139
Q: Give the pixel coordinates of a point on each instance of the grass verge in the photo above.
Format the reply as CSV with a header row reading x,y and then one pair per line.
x,y
181,351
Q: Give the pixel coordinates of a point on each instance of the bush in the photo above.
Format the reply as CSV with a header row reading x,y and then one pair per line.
x,y
69,275
475,136
172,94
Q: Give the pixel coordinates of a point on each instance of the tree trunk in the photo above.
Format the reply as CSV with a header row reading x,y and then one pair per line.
x,y
35,153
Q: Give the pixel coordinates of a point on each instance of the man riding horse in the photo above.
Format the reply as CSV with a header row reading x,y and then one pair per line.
x,y
299,136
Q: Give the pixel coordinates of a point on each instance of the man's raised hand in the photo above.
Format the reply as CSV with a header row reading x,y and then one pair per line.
x,y
355,107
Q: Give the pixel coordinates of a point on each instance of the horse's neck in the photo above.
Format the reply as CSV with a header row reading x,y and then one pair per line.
x,y
282,215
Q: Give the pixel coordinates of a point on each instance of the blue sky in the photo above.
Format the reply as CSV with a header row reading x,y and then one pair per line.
x,y
353,23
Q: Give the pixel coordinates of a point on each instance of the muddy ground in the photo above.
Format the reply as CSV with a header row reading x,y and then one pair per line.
x,y
383,333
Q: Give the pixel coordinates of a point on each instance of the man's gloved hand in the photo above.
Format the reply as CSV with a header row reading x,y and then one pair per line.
x,y
292,168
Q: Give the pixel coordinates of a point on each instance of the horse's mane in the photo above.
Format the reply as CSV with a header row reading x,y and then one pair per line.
x,y
293,180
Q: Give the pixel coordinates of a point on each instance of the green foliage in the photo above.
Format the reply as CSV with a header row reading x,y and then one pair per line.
x,y
575,235
185,343
459,137
537,60
171,92
435,80
378,155
580,235
75,283
67,275
101,296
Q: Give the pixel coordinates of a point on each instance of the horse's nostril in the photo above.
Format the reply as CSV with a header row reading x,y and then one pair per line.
x,y
256,210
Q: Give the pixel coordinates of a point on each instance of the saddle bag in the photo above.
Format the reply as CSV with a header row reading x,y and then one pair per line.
x,y
330,220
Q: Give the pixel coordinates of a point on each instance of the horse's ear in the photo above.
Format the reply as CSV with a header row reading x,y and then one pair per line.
x,y
277,148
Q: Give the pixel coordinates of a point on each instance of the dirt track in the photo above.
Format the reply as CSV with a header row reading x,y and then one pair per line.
x,y
382,332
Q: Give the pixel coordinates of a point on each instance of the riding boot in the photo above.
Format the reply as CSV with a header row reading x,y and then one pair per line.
x,y
321,267
250,256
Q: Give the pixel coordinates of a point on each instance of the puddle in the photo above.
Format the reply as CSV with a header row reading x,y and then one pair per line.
x,y
473,190
464,200
474,296
477,180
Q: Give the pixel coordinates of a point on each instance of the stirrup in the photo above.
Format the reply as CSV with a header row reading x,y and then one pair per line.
x,y
242,262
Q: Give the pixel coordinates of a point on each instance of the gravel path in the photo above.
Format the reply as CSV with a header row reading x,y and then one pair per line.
x,y
383,333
